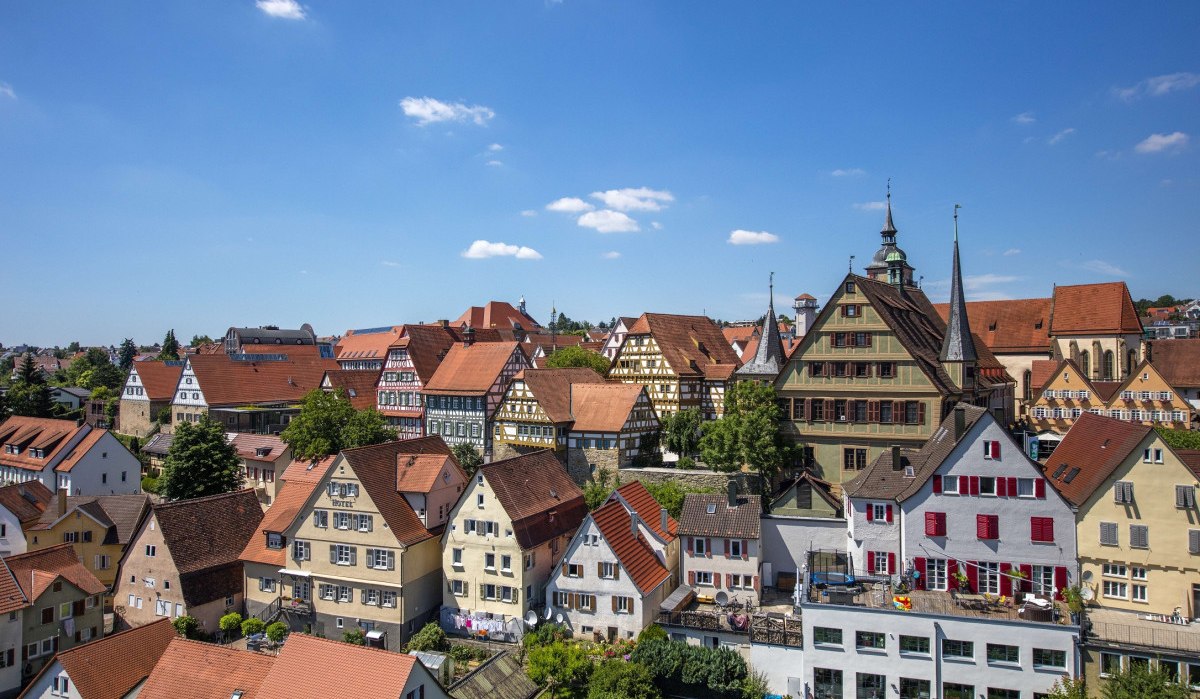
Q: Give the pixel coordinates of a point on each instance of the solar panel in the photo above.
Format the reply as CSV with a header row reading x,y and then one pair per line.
x,y
258,357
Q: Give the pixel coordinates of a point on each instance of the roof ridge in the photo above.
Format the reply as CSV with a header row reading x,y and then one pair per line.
x,y
203,498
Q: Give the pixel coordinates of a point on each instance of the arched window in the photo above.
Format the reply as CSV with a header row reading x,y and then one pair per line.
x,y
1108,366
1028,388
1085,364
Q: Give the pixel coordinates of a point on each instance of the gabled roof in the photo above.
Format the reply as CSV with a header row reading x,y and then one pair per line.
x,y
604,407
120,513
358,385
553,388
80,450
497,314
427,345
880,481
1191,458
12,598
109,667
691,345
369,343
48,434
740,521
499,677
915,324
819,488
1094,309
1089,453
247,445
375,467
634,553
159,444
1041,371
197,670
1178,361
26,500
205,533
311,667
538,495
225,381
289,503
34,571
649,509
418,473
1015,326
470,369
159,379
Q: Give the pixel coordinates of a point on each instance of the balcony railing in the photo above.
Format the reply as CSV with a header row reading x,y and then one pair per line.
x,y
1165,638
761,628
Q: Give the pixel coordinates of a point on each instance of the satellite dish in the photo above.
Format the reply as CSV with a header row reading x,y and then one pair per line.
x,y
1087,575
558,617
722,598
549,612
1087,594
531,618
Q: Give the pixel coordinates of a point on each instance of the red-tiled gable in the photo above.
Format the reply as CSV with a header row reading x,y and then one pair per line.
x,y
108,668
418,473
357,385
633,553
1178,361
749,347
470,369
1040,372
35,570
79,450
648,509
1106,389
549,343
375,467
316,668
740,333
289,502
1093,309
28,433
228,382
496,314
427,345
27,501
692,345
308,471
208,532
247,446
159,379
553,388
1089,453
196,670
1014,326
538,495
11,596
603,407
366,344
739,521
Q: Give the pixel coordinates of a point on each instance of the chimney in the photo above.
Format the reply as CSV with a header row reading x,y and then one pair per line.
x,y
960,421
469,336
444,323
896,458
732,490
62,501
662,519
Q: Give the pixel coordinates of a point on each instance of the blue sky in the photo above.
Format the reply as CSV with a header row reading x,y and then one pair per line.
x,y
198,165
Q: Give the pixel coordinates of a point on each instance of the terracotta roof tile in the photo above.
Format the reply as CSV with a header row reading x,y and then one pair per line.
x,y
159,379
1094,309
1089,453
196,670
538,495
691,345
358,385
1040,373
1015,326
289,503
648,509
497,314
109,667
470,369
247,445
26,501
634,553
1190,458
418,473
1178,361
209,532
35,570
427,345
316,668
553,388
79,450
370,343
604,407
375,467
741,521
228,382
35,432
11,596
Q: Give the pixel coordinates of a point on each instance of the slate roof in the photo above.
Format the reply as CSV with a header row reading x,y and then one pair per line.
x,y
227,382
36,432
358,385
636,556
1015,326
1178,361
1094,309
604,407
109,667
497,314
1095,446
470,369
289,503
34,571
120,513
691,345
369,343
553,388
375,467
740,522
274,336
499,677
537,494
767,358
958,343
158,379
316,668
879,481
26,501
197,670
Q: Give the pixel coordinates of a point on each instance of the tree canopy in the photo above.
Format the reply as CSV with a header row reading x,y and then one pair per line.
x,y
681,431
1179,439
91,371
170,346
618,679
467,456
29,395
578,357
697,671
327,424
198,340
748,433
564,664
126,354
200,462
1138,681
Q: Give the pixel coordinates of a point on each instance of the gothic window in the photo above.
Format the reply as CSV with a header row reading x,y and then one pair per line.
x,y
1107,371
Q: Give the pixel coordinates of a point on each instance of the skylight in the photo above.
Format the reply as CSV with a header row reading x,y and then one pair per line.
x,y
712,508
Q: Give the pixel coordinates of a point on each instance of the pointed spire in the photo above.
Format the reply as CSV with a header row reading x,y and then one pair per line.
x,y
888,226
957,345
768,358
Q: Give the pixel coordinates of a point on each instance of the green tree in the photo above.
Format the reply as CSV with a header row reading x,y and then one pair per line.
x,y
200,462
170,346
670,494
467,456
681,431
1067,688
1138,681
559,664
618,679
748,434
276,631
430,637
327,424
1179,439
230,624
678,668
366,427
578,357
186,626
354,637
653,632
30,395
198,340
544,634
252,626
599,486
92,371
126,354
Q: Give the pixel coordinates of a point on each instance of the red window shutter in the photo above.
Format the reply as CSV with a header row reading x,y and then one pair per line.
x,y
1026,585
891,563
1012,487
981,527
870,512
889,514
729,580
870,562
1006,582
919,564
1060,580
973,576
1039,487
974,485
1047,529
690,550
931,524
941,523
745,549
692,578
727,548
1002,487
996,449
921,413
937,484
716,577
755,582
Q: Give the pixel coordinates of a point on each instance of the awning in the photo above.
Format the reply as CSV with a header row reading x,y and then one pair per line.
x,y
296,573
374,635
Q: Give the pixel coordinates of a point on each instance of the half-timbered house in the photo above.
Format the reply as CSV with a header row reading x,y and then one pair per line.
x,y
462,396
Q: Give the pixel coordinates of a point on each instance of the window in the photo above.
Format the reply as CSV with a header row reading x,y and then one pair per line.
x,y
266,584
700,547
48,615
823,635
388,599
321,519
869,686
1024,488
827,684
458,587
479,500
623,605
345,593
887,370
704,577
913,412
1114,570
1110,664
1115,590
344,555
341,520
988,574
1139,536
851,310
274,540
958,649
1108,534
456,558
949,485
489,561
935,524
365,522
608,571
301,551
994,693
1185,497
1123,492
1138,593
913,688
987,485
574,570
530,560
878,512
951,690
991,449
854,459
935,574
1000,653
381,559
878,561
1041,529
871,640
914,644
151,549
587,602
987,527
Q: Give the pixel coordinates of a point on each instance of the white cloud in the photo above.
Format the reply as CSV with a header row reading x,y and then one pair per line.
x,y
611,255
635,199
529,213
1108,154
1024,118
740,237
283,9
495,163
7,91
1102,267
1159,142
608,221
569,205
871,206
1012,251
979,282
389,263
1058,137
848,172
427,110
482,249
495,148
656,225
1158,86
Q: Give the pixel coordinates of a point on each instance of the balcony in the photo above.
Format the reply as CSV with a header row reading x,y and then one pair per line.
x,y
1127,629
880,596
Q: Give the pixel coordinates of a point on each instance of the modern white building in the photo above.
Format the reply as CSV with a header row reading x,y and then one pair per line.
x,y
81,459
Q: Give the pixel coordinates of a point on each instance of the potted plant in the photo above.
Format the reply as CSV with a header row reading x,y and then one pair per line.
x,y
963,582
1073,596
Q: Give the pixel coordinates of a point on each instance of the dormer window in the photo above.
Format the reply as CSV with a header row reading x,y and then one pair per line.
x,y
274,540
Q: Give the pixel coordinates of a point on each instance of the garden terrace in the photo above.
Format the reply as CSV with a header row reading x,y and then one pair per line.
x,y
881,596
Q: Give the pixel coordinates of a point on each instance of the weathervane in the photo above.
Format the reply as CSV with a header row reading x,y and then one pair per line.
x,y
956,208
851,265
772,286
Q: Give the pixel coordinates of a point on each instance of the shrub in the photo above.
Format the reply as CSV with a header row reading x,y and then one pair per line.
x,y
354,637
617,678
276,631
686,462
252,626
653,632
187,626
430,637
150,485
545,634
231,623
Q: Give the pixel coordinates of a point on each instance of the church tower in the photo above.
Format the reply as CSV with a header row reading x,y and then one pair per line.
x,y
958,355
890,263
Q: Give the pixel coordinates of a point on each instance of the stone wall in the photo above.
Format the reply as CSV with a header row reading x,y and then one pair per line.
x,y
581,461
748,483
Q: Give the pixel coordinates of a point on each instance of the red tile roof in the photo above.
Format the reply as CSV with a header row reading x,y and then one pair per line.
x,y
248,444
470,369
691,345
375,467
207,532
1094,309
603,407
1091,450
79,450
553,388
109,667
197,670
1190,458
357,385
648,509
1178,361
289,503
427,345
1040,373
27,501
497,314
1015,326
634,553
538,494
159,379
366,344
48,434
316,668
34,571
11,596
227,382
418,473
